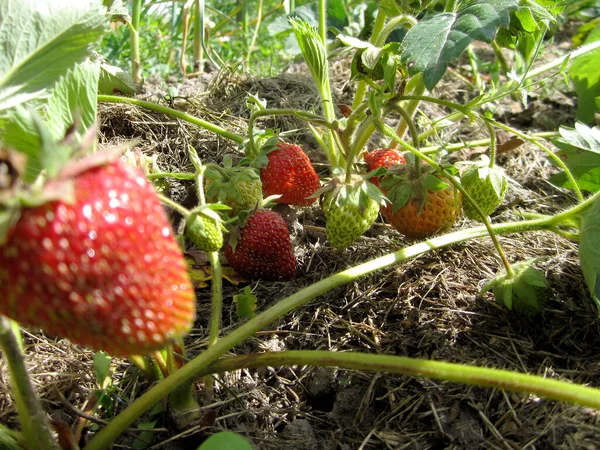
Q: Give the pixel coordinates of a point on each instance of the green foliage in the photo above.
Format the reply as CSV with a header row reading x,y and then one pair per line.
x,y
39,42
589,251
245,304
225,440
579,148
441,38
586,78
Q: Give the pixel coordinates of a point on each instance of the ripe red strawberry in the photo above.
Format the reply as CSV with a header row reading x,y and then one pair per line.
x,y
103,270
264,249
383,157
290,174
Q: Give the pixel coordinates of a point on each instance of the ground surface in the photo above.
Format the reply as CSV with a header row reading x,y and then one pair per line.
x,y
427,307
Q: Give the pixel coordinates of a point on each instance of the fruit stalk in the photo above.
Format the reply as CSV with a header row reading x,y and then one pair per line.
x,y
216,308
480,376
174,113
120,423
34,423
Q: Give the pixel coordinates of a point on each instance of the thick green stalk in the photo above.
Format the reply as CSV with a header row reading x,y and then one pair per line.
x,y
361,88
120,423
494,378
217,306
198,37
174,113
323,22
481,143
134,41
34,422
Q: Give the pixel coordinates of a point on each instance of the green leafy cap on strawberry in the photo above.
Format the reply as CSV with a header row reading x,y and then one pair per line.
x,y
523,292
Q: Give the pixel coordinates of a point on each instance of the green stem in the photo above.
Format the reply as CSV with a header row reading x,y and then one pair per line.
x,y
407,20
34,422
217,306
560,61
500,57
361,88
481,143
173,204
120,423
411,109
255,35
474,68
150,370
134,41
323,22
198,37
494,378
549,153
174,113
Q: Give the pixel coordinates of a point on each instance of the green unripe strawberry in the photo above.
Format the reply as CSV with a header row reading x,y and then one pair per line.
x,y
240,188
205,232
487,186
349,212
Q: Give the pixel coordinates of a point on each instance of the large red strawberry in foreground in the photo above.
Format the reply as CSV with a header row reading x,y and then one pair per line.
x,y
103,270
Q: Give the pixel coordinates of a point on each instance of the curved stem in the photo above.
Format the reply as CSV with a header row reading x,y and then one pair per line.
x,y
549,153
406,19
120,423
494,378
174,113
34,422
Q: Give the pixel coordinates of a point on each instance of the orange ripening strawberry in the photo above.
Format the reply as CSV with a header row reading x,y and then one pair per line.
x,y
383,157
102,268
289,173
426,211
263,248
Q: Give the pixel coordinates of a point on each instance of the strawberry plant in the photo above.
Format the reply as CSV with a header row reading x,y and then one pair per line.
x,y
87,252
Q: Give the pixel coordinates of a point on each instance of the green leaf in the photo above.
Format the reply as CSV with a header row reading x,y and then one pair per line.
x,y
225,440
523,291
114,80
75,96
144,438
579,148
19,133
102,368
245,304
586,78
436,40
589,251
40,41
433,183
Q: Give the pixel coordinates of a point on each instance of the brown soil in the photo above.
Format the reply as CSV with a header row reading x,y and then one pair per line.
x,y
425,308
